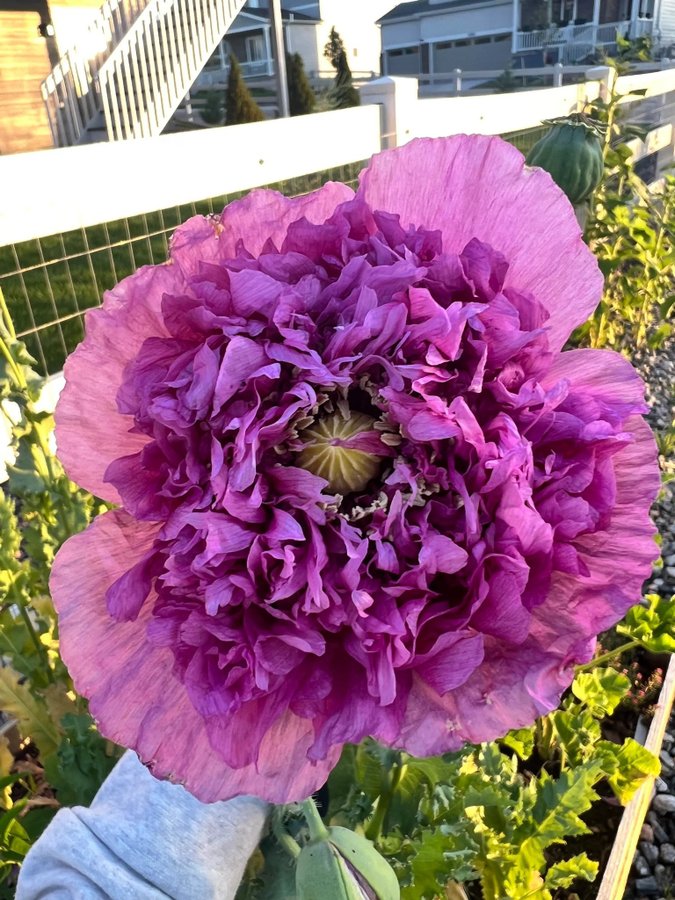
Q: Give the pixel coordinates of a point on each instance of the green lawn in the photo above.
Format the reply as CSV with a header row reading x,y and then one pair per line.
x,y
48,283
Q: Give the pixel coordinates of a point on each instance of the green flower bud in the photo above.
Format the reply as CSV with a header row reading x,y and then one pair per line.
x,y
341,866
572,153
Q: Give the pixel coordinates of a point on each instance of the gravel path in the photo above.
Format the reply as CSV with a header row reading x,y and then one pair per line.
x,y
654,864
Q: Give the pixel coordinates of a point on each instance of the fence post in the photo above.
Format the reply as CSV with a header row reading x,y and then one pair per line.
x,y
606,75
457,75
397,98
558,70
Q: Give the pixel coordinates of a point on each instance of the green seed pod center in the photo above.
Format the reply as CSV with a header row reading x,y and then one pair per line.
x,y
328,454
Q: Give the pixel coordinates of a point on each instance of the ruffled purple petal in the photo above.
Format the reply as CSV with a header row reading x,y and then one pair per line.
x,y
90,432
364,493
133,691
481,189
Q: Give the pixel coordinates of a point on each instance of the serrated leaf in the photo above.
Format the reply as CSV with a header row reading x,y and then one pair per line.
x,y
653,626
628,766
404,805
23,477
522,741
429,866
341,781
371,773
276,881
33,717
434,769
82,762
601,689
58,703
563,874
556,813
575,733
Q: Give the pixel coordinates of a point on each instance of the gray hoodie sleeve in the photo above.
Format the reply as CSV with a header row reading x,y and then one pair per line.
x,y
143,839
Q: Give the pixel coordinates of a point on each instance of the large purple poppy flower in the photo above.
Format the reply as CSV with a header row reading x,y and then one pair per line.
x,y
362,491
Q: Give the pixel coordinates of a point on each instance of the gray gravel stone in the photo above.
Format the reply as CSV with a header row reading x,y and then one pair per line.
x,y
666,762
650,852
641,865
660,834
664,803
667,853
661,786
647,886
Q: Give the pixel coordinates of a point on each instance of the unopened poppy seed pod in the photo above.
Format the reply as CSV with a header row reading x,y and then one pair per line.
x,y
342,866
572,153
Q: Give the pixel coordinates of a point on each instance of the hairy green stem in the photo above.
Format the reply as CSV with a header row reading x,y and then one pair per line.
x,y
374,829
39,646
317,830
289,844
18,374
6,317
606,657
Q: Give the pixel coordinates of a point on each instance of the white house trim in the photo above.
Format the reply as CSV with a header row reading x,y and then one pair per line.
x,y
255,22
405,46
432,14
515,25
460,36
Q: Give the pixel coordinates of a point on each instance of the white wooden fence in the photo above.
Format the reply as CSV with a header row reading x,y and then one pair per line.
x,y
74,221
53,191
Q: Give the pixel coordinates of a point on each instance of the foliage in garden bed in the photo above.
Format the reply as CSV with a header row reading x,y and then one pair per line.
x,y
58,756
501,819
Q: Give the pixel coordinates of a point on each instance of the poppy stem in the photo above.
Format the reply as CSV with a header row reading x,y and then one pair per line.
x,y
317,830
606,657
289,844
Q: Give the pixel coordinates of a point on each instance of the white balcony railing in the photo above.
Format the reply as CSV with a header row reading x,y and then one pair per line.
x,y
585,36
257,68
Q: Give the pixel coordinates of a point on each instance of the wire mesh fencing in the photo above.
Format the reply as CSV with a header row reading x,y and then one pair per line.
x,y
49,283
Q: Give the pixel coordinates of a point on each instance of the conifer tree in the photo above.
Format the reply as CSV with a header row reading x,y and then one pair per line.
x,y
240,107
212,113
301,97
334,47
344,93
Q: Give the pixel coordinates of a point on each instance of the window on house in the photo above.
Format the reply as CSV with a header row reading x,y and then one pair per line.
x,y
255,48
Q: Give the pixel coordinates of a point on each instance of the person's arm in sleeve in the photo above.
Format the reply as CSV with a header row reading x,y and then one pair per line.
x,y
142,839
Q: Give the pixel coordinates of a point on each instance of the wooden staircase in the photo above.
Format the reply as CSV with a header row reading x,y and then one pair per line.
x,y
129,74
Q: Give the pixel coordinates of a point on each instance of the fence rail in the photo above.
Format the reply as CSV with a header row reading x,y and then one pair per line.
x,y
65,237
460,81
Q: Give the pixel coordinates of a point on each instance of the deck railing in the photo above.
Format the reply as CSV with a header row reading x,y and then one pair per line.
x,y
582,36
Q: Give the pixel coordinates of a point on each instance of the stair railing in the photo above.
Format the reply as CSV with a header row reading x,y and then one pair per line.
x,y
146,77
70,90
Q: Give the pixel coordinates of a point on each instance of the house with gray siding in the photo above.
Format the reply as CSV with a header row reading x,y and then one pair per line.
x,y
433,37
307,25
